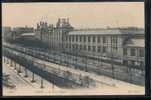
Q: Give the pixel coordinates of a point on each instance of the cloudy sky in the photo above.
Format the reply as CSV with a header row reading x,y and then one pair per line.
x,y
81,15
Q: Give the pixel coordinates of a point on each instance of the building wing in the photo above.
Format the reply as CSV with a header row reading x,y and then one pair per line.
x,y
106,31
136,43
95,32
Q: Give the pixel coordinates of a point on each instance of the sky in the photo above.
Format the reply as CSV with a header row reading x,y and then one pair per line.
x,y
81,15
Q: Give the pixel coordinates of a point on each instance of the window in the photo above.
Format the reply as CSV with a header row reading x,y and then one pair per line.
x,y
89,48
76,38
104,39
76,46
141,52
69,46
66,45
133,52
132,62
80,38
73,46
114,39
70,38
80,47
93,38
94,49
98,39
84,38
114,49
104,49
142,64
125,51
99,49
89,38
125,62
84,47
64,38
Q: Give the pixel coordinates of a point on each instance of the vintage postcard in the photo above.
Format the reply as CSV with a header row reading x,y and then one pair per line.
x,y
73,48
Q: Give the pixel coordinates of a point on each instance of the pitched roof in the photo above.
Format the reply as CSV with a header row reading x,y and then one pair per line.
x,y
28,34
93,32
138,31
105,32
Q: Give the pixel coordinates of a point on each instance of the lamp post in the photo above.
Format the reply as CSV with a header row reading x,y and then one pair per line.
x,y
33,78
7,60
19,70
41,77
11,63
26,74
85,60
4,59
14,65
111,57
112,66
77,50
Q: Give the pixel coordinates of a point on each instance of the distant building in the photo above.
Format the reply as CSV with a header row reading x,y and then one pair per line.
x,y
6,32
18,31
23,29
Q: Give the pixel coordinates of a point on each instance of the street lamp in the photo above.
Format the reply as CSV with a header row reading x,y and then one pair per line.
x,y
33,78
42,69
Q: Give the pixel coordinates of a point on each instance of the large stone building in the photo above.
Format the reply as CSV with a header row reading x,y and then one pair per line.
x,y
18,31
125,45
121,44
53,35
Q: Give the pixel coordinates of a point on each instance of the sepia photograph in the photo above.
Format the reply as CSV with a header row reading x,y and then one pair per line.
x,y
73,49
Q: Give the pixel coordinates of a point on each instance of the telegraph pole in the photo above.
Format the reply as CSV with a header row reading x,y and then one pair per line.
x,y
42,78
14,65
33,78
11,63
4,59
26,74
112,58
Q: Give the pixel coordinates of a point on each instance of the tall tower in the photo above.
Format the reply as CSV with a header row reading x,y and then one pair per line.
x,y
62,29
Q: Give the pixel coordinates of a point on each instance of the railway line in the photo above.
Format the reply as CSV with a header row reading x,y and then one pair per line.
x,y
53,75
87,65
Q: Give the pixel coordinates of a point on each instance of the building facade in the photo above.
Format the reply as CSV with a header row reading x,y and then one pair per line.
x,y
124,45
120,44
54,35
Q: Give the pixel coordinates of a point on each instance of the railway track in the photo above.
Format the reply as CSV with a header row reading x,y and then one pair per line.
x,y
56,58
48,75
